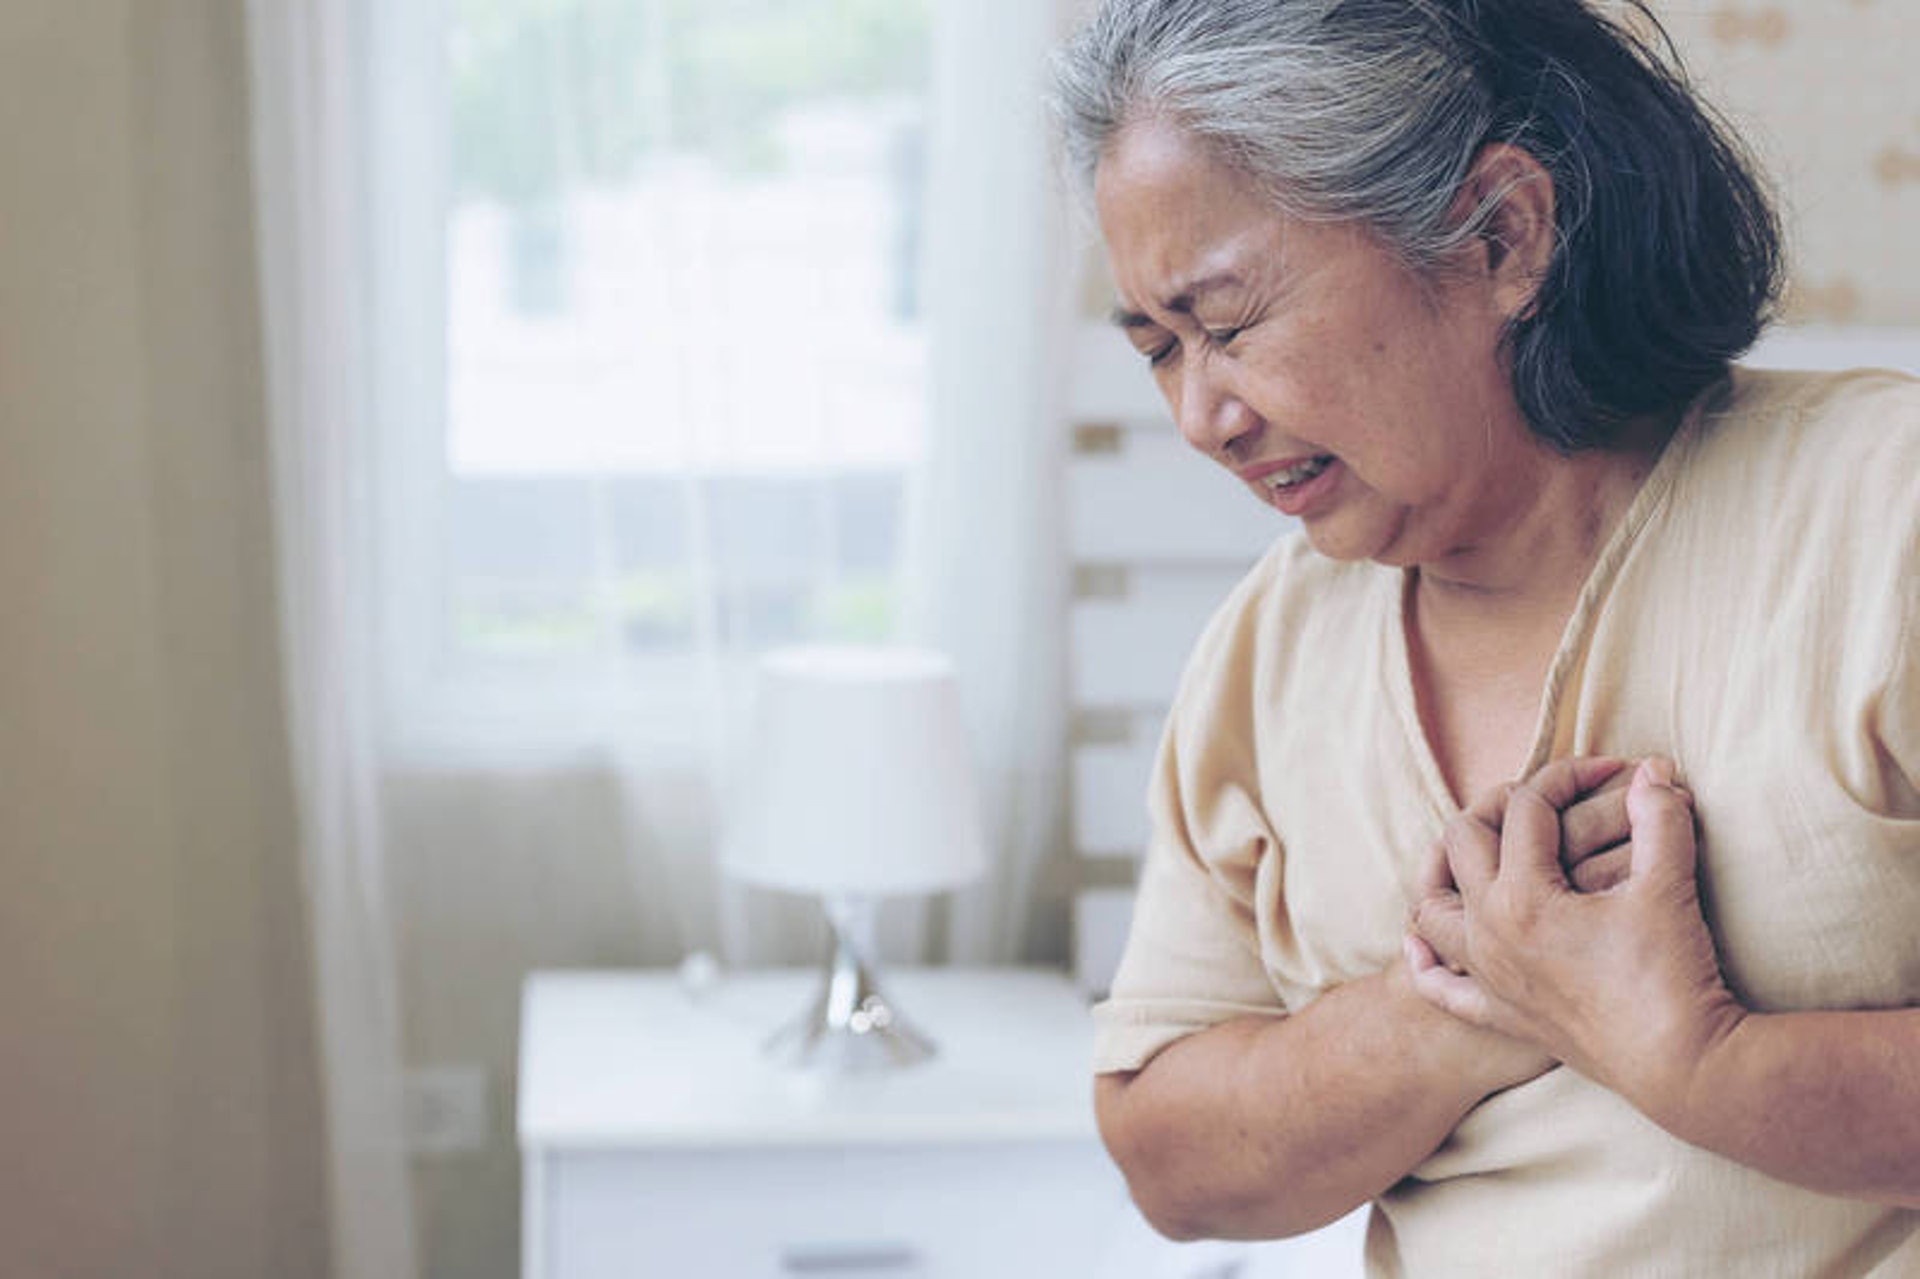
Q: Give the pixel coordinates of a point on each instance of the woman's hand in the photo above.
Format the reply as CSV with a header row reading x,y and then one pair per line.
x,y
1594,845
1493,1061
1594,851
1595,835
1595,854
1621,983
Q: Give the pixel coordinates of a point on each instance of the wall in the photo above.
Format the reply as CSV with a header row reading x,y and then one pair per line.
x,y
157,1098
1825,92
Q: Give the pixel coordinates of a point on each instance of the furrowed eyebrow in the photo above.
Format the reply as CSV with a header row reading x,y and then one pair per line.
x,y
1181,303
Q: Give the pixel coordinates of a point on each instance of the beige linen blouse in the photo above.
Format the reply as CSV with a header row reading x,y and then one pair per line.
x,y
1753,617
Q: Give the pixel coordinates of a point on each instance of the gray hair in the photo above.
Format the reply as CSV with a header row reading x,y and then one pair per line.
x,y
1667,261
1340,109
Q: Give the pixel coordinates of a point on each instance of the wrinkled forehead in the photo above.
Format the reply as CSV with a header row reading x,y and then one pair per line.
x,y
1156,144
1173,217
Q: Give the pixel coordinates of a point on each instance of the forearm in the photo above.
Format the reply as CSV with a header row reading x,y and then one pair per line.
x,y
1260,1129
1826,1100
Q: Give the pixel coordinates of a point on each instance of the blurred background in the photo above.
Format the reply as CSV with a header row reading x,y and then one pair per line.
x,y
414,422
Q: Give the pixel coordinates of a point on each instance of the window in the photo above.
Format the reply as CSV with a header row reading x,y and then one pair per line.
x,y
684,358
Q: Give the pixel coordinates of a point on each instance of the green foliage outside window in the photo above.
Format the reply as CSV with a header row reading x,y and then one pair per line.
x,y
652,613
553,91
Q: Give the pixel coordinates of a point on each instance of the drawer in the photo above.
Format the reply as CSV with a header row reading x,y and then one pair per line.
x,y
947,1212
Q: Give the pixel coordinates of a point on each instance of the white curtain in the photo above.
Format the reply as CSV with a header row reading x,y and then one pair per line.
x,y
315,98
538,509
987,557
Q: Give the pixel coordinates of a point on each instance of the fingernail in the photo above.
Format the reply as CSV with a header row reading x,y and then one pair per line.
x,y
1659,770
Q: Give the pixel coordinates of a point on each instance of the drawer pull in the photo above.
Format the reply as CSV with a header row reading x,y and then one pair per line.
x,y
848,1258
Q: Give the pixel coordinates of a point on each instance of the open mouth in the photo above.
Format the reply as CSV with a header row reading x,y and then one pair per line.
x,y
1296,475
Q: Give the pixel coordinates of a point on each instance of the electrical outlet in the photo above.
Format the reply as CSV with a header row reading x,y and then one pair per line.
x,y
444,1109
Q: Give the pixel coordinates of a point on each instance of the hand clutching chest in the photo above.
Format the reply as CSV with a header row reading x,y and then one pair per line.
x,y
1608,965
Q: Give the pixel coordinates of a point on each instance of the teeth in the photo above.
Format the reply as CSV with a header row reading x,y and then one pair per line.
x,y
1297,474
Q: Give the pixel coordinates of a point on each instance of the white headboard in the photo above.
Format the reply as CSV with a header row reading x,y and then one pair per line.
x,y
1158,535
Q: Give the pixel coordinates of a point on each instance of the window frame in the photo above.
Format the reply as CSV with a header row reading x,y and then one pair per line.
x,y
437,707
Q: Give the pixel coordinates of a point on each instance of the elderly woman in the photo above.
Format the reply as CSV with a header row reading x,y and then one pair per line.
x,y
1536,837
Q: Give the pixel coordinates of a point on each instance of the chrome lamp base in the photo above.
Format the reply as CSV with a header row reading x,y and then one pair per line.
x,y
850,1026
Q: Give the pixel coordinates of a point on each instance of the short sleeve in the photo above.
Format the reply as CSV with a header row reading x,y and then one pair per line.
x,y
1193,956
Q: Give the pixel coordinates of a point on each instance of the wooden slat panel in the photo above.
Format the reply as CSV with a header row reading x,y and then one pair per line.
x,y
1128,651
1154,500
1110,790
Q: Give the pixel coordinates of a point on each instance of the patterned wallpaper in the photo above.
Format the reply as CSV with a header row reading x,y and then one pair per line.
x,y
1826,93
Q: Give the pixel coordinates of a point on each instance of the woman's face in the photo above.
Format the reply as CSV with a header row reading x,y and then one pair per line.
x,y
1372,403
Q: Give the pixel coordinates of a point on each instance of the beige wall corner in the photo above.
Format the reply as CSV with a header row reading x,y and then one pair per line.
x,y
156,1077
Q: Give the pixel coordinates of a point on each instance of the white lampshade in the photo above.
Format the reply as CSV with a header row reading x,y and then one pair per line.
x,y
856,777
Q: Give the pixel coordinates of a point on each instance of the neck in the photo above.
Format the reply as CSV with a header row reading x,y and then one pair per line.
x,y
1531,561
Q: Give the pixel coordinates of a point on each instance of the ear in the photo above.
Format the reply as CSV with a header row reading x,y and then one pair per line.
x,y
1517,236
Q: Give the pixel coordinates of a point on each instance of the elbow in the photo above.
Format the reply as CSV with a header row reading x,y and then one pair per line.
x,y
1179,1217
1178,1213
1146,1163
1158,1198
1168,1178
1179,1229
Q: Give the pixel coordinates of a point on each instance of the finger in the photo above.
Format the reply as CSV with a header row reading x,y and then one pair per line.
x,y
1530,841
1594,824
1419,954
1491,808
1473,854
1661,813
1601,871
1449,991
1566,780
1441,922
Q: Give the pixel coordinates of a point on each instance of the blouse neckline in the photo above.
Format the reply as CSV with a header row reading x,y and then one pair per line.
x,y
1570,654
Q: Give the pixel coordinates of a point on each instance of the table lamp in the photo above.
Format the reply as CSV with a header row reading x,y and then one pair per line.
x,y
855,785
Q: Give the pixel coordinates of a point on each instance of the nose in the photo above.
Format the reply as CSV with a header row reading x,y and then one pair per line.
x,y
1211,415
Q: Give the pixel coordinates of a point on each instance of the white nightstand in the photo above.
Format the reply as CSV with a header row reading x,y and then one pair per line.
x,y
657,1142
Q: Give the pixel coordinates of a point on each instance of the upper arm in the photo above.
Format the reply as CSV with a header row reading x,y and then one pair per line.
x,y
1193,957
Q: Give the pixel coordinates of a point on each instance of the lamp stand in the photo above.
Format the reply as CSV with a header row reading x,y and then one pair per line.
x,y
850,1025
